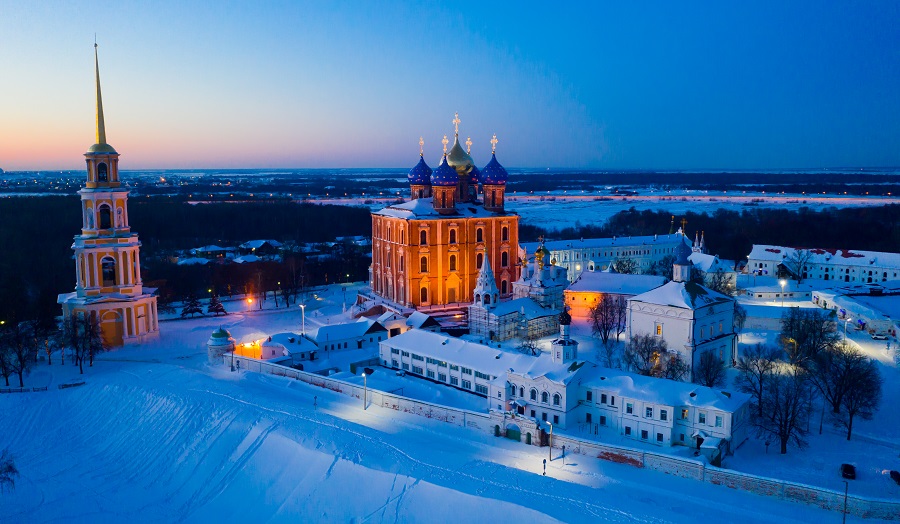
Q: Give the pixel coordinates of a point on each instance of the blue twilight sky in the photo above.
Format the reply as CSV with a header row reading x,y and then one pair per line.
x,y
607,85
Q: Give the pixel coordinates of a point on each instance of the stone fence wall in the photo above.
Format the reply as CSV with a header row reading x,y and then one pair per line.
x,y
681,467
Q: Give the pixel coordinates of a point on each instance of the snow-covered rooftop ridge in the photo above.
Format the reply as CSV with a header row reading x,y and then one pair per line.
x,y
292,342
245,259
531,308
588,243
827,256
615,283
424,208
347,330
256,244
663,391
494,361
710,263
686,295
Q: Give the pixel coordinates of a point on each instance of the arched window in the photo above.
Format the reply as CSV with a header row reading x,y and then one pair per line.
x,y
521,392
423,263
443,199
478,299
423,238
504,233
544,397
533,394
479,259
388,237
504,259
487,299
452,262
402,236
452,236
401,263
512,390
502,287
105,216
108,265
424,294
102,172
556,399
479,235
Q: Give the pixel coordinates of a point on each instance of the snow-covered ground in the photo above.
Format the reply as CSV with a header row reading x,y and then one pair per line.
x,y
158,436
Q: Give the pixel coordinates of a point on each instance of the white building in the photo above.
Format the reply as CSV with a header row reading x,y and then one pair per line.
x,y
595,254
362,334
395,323
692,319
542,281
590,286
861,267
710,265
664,412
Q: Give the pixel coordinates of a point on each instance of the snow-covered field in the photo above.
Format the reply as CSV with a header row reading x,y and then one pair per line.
x,y
158,436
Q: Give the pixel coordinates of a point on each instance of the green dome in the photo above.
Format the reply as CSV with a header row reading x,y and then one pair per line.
x,y
221,333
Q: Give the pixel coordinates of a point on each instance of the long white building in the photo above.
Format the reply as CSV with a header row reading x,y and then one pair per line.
x,y
844,265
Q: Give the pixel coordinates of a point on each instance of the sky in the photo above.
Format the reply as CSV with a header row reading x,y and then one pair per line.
x,y
599,85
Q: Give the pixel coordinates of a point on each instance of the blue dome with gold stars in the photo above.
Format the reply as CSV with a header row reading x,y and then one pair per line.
x,y
444,175
420,174
494,174
474,176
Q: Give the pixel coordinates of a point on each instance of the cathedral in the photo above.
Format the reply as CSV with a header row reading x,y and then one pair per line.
x,y
429,250
108,283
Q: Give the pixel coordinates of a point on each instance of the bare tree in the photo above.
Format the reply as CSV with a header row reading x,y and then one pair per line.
x,y
81,332
796,263
663,267
6,369
710,370
626,266
603,318
43,329
805,333
19,348
830,371
529,344
609,354
8,471
672,366
642,354
786,407
621,316
720,281
863,391
755,368
739,319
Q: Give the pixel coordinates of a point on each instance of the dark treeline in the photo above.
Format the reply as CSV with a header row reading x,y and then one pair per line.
x,y
37,233
731,234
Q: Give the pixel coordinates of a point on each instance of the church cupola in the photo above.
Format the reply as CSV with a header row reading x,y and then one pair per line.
x,y
681,270
486,293
102,159
459,160
444,181
420,176
493,181
564,349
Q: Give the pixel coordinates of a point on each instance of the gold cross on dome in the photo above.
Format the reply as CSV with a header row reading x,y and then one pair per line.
x,y
421,146
494,144
469,145
683,223
445,142
456,122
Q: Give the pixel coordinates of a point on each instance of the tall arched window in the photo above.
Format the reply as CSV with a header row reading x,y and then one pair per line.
x,y
388,237
401,263
487,299
452,262
102,172
105,216
479,259
479,235
533,394
521,392
504,233
402,236
423,263
502,287
108,265
504,259
423,238
452,236
556,399
443,199
544,397
424,294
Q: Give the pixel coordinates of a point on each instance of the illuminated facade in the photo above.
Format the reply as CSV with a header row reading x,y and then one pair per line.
x,y
429,250
108,283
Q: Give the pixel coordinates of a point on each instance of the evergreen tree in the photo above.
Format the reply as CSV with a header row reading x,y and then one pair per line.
x,y
191,306
215,306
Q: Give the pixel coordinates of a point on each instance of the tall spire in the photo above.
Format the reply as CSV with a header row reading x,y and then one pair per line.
x,y
101,125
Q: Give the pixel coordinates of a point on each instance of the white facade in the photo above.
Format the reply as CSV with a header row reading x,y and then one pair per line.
x,y
844,265
363,334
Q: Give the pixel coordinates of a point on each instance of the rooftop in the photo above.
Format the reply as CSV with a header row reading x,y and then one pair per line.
x,y
588,243
615,283
686,295
827,256
423,208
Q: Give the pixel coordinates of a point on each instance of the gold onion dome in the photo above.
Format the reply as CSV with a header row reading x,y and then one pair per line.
x,y
458,158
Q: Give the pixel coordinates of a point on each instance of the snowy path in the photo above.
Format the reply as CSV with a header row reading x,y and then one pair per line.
x,y
177,441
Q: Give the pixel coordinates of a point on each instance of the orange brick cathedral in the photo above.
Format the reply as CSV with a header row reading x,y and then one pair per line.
x,y
108,283
429,250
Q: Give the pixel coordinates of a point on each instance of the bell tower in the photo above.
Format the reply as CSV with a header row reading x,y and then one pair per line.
x,y
108,283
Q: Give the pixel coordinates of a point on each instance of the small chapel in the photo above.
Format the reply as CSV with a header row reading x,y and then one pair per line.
x,y
108,285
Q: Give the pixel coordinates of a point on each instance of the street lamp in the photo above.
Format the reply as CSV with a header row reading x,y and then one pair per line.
x,y
249,304
550,450
783,282
846,321
303,314
365,390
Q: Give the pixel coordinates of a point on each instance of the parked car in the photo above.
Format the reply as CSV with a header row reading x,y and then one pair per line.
x,y
879,336
895,476
848,471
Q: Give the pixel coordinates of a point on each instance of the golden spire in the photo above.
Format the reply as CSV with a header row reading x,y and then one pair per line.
x,y
421,146
101,125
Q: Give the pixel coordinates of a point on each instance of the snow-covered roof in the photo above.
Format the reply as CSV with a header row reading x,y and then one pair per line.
x,y
531,308
615,283
418,320
686,295
663,391
192,261
493,361
550,276
347,330
290,342
244,259
710,263
212,249
424,208
590,243
827,256
256,244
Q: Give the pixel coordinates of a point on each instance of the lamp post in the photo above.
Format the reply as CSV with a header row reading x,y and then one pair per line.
x,y
846,321
782,282
303,315
846,490
249,304
365,390
550,448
